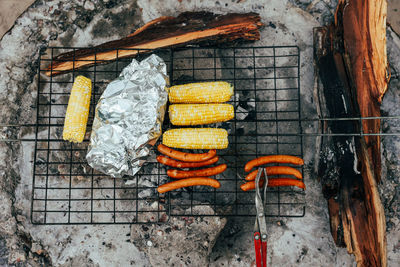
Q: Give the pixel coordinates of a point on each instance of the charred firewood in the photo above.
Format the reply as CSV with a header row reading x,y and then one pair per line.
x,y
363,26
351,62
187,28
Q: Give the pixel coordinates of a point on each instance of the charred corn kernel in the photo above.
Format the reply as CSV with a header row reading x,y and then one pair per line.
x,y
196,138
77,110
207,92
195,114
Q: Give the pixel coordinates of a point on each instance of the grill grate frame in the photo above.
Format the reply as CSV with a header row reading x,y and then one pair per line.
x,y
65,190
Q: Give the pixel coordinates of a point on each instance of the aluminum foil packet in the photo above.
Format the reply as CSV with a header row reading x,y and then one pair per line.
x,y
128,116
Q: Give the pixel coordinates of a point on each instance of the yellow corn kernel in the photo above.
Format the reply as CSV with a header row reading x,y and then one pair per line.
x,y
207,92
77,113
195,114
196,138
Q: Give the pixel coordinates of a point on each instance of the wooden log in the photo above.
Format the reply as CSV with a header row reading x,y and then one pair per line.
x,y
363,24
348,172
356,213
187,28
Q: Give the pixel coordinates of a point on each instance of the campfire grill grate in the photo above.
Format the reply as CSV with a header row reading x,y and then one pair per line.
x,y
65,190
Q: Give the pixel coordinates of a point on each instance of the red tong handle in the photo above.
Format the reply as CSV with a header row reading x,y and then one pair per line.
x,y
257,246
264,253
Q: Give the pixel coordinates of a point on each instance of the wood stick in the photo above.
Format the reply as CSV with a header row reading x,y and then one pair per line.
x,y
348,55
364,40
187,28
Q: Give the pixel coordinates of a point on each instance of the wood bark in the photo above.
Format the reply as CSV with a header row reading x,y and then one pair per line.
x,y
350,57
187,28
364,39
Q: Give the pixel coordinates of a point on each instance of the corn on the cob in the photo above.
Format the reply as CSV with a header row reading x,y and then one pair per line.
x,y
196,138
207,92
77,110
196,114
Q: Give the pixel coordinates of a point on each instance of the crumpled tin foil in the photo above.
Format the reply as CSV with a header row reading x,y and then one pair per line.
x,y
128,115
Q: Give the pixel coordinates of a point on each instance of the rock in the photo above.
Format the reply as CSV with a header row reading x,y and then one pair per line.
x,y
37,248
183,241
16,257
3,252
89,5
42,23
393,15
389,187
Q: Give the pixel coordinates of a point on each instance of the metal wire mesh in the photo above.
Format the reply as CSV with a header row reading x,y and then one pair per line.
x,y
267,121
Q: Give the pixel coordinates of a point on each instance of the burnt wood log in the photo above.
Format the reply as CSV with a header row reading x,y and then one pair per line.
x,y
363,26
187,28
354,78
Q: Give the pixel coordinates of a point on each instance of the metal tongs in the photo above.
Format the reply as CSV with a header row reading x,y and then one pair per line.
x,y
260,225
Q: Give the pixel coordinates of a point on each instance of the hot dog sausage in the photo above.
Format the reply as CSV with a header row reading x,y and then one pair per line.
x,y
179,164
186,157
272,159
276,170
188,182
274,183
204,172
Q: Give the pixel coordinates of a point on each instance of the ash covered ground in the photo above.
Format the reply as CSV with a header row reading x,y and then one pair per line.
x,y
218,242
